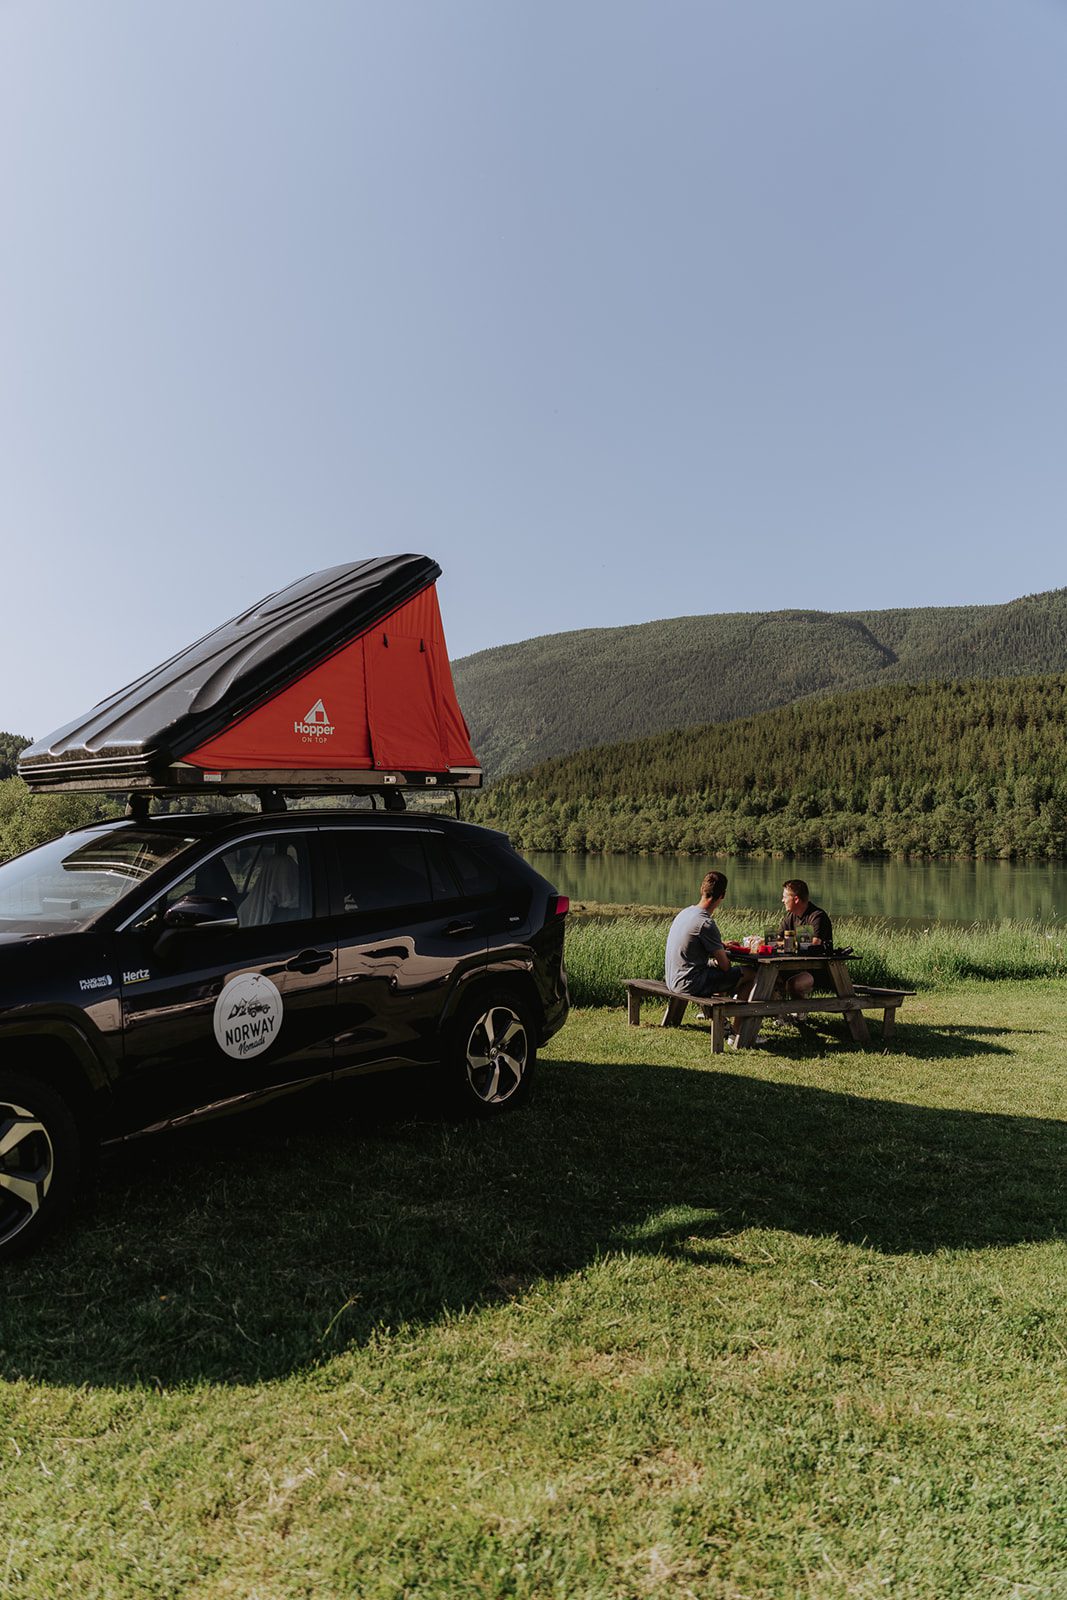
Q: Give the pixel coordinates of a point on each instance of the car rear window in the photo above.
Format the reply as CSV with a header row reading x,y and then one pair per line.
x,y
474,873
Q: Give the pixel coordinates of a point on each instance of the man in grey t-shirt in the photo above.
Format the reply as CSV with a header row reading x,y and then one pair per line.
x,y
697,963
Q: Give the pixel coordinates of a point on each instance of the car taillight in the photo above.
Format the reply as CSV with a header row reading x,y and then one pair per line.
x,y
559,905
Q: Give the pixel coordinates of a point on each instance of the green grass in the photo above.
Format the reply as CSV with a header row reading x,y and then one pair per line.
x,y
782,1325
605,947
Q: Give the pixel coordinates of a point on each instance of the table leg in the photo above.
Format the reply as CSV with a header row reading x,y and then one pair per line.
x,y
841,979
763,990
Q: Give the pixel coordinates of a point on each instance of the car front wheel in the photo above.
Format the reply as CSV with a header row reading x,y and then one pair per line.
x,y
493,1054
40,1159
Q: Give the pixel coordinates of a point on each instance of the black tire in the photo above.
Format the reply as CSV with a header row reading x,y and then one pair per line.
x,y
40,1160
491,1054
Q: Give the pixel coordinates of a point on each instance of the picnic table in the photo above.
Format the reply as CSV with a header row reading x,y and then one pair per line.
x,y
769,998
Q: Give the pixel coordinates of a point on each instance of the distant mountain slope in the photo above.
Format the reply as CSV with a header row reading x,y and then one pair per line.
x,y
572,691
1017,639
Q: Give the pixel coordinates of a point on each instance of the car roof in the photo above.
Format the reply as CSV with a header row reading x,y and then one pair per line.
x,y
209,824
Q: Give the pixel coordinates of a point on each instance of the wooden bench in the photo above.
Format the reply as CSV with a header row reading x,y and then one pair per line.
x,y
718,1007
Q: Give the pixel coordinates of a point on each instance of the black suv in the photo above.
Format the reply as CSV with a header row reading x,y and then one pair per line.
x,y
156,971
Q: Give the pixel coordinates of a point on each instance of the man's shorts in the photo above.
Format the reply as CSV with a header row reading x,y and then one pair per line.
x,y
718,982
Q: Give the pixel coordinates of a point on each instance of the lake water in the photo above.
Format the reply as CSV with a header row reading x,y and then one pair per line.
x,y
912,893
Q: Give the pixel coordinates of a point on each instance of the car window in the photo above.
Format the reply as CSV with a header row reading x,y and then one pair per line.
x,y
266,880
442,879
60,886
379,870
476,875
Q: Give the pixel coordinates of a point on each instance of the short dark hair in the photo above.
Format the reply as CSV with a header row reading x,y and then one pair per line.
x,y
713,886
798,886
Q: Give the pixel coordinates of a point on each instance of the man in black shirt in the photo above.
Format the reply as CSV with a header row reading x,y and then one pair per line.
x,y
801,913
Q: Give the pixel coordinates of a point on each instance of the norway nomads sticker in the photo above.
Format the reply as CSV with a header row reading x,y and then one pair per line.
x,y
248,1014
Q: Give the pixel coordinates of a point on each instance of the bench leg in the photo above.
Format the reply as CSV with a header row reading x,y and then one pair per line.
x,y
633,1008
889,1022
718,1031
674,1013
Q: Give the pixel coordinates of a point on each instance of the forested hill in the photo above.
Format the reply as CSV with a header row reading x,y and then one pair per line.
x,y
940,769
571,691
11,747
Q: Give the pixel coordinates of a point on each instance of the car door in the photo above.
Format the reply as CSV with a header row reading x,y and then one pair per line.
x,y
210,1017
497,904
404,936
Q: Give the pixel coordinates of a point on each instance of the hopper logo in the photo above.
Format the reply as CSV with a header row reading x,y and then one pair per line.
x,y
316,727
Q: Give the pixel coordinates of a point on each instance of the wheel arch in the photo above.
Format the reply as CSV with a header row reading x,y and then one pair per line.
x,y
60,1056
494,979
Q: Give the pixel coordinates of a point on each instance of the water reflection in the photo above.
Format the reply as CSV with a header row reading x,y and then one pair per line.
x,y
915,893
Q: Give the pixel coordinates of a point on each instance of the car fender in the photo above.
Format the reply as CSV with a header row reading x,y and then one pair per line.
x,y
61,1036
512,968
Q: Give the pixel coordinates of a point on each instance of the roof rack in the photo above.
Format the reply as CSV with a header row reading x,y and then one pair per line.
x,y
139,801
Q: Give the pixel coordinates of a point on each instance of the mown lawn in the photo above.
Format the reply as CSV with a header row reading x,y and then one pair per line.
x,y
789,1323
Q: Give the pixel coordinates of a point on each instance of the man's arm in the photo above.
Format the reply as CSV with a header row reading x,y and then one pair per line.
x,y
711,939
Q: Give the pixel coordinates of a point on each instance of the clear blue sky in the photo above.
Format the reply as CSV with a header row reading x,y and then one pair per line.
x,y
618,310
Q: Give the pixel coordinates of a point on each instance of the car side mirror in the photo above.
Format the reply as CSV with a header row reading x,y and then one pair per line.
x,y
200,913
195,915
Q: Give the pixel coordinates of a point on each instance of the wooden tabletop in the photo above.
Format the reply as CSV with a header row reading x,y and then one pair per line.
x,y
802,958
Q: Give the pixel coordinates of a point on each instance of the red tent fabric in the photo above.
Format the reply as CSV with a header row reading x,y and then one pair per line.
x,y
383,702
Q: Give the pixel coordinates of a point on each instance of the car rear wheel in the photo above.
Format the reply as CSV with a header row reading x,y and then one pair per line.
x,y
40,1160
493,1053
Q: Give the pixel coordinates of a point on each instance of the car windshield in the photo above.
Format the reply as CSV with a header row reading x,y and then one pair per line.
x,y
62,886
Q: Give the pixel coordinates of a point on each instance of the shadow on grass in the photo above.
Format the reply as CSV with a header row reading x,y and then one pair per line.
x,y
251,1248
810,1038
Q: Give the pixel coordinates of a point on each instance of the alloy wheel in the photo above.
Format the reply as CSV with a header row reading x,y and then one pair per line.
x,y
497,1053
27,1162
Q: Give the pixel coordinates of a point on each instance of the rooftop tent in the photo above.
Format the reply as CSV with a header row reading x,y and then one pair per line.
x,y
340,680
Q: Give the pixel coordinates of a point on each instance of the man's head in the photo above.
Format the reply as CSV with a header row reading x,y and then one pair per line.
x,y
713,888
795,896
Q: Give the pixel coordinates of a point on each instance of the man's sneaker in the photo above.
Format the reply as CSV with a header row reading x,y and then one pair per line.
x,y
734,1043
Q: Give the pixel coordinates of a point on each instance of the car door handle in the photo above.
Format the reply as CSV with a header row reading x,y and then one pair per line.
x,y
309,961
453,929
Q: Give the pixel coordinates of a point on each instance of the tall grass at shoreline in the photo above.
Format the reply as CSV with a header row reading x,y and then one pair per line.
x,y
604,949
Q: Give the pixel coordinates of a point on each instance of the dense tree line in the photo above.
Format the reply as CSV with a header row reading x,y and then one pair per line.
x,y
27,820
11,747
573,691
937,769
971,768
